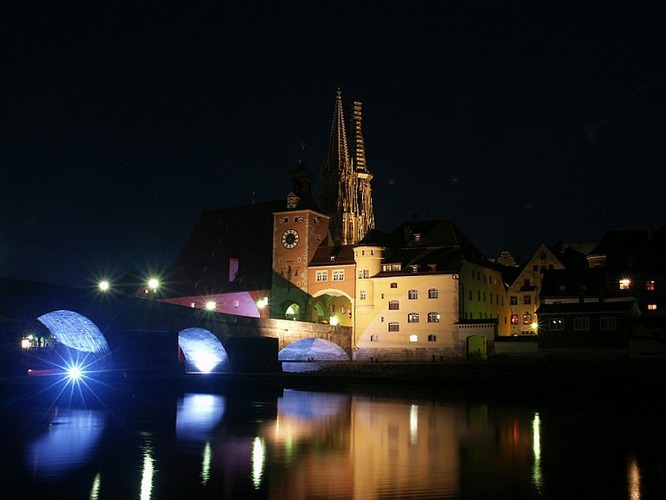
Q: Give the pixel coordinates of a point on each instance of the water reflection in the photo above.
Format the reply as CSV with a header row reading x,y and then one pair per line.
x,y
310,444
70,437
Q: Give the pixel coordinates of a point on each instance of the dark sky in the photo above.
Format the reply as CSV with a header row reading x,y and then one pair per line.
x,y
525,122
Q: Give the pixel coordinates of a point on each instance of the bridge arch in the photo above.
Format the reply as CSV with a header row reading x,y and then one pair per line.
x,y
75,331
331,306
203,351
313,349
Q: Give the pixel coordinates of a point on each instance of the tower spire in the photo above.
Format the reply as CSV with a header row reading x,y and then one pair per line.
x,y
344,189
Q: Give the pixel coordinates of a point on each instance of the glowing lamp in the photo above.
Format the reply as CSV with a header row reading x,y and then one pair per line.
x,y
625,283
261,303
211,305
74,373
25,343
334,321
104,285
153,284
535,326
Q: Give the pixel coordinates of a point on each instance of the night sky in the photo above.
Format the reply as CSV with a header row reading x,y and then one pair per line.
x,y
525,122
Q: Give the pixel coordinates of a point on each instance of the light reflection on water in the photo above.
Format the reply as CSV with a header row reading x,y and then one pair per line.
x,y
303,444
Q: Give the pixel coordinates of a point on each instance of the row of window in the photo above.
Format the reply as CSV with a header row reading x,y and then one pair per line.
x,y
527,319
487,278
625,284
298,218
433,293
338,275
606,323
481,297
513,300
412,338
394,326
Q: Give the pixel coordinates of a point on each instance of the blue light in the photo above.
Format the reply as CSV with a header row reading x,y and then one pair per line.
x,y
203,351
74,373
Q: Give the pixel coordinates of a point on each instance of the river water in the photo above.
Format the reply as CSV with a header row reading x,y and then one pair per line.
x,y
254,441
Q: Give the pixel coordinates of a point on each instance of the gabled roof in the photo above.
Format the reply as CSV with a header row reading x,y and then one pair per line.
x,y
244,233
332,255
430,245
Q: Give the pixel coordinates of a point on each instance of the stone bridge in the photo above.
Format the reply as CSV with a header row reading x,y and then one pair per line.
x,y
151,336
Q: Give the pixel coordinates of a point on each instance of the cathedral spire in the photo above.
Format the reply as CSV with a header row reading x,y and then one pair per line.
x,y
344,189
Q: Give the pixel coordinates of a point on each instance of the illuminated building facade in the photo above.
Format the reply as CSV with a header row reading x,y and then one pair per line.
x,y
323,261
525,289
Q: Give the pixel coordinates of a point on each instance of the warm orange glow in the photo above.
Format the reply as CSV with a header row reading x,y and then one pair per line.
x,y
625,283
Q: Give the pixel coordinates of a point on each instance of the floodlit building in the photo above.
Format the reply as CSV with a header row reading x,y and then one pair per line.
x,y
421,292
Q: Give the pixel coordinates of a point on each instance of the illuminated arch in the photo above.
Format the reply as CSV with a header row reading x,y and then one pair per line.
x,y
292,312
333,293
75,331
313,350
203,351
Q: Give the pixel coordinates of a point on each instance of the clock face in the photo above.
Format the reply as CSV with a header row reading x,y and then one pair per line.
x,y
290,238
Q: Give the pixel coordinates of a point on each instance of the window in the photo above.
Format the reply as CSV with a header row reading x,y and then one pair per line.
x,y
432,338
363,274
625,284
394,305
527,299
527,319
433,293
514,319
322,276
470,295
374,338
339,275
394,326
581,324
652,307
607,323
413,338
513,300
535,268
413,294
394,285
556,324
478,295
362,295
649,285
433,317
413,317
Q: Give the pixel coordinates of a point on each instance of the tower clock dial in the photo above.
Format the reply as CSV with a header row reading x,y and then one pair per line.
x,y
290,238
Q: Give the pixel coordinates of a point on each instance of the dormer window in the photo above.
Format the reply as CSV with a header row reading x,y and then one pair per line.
x,y
417,237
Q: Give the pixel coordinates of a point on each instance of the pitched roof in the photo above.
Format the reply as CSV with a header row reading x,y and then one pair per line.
x,y
244,233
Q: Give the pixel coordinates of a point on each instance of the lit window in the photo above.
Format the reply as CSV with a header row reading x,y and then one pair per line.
x,y
322,276
625,283
413,317
433,317
514,319
393,305
433,293
394,326
413,294
527,319
652,307
649,285
555,324
413,338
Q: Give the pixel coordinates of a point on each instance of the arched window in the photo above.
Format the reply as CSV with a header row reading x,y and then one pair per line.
x,y
413,317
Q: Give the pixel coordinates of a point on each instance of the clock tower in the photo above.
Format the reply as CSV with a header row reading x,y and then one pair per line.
x,y
298,231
